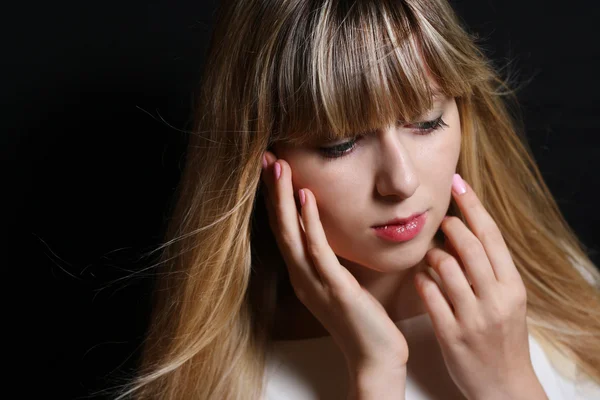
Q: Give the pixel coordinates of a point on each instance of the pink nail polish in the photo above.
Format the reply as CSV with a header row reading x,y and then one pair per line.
x,y
277,169
302,197
458,185
264,161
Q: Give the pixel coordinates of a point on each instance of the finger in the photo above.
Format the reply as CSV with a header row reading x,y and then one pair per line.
x,y
266,198
452,251
290,236
472,255
270,159
438,308
453,280
267,175
267,172
323,257
486,230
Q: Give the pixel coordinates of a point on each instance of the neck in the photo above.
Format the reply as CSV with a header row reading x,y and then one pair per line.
x,y
394,290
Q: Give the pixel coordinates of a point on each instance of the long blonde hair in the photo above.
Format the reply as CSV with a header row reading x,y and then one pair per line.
x,y
294,70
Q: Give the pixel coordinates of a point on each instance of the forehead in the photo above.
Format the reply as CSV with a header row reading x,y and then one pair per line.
x,y
314,138
329,85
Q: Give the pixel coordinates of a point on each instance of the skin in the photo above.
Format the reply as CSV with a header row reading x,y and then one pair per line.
x,y
394,172
479,319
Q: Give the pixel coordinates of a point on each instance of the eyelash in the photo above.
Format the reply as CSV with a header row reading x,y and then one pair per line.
x,y
338,151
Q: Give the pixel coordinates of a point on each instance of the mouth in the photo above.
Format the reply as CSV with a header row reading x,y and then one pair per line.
x,y
401,221
402,231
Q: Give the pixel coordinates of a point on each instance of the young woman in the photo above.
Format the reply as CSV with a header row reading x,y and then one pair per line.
x,y
309,255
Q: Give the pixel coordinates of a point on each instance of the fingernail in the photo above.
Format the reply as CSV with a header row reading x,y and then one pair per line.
x,y
302,196
445,218
277,169
264,161
458,185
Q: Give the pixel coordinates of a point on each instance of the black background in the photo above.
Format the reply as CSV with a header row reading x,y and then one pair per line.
x,y
95,97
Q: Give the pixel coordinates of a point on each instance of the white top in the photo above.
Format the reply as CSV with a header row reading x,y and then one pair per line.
x,y
315,369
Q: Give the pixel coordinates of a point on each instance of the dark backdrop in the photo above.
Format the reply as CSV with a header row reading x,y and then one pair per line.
x,y
94,99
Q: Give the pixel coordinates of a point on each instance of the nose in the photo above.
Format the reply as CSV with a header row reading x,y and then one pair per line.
x,y
396,174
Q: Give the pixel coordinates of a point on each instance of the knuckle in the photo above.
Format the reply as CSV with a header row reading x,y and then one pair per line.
x,y
490,235
514,297
499,313
286,238
315,249
449,221
479,325
519,296
471,205
473,247
498,324
446,264
279,209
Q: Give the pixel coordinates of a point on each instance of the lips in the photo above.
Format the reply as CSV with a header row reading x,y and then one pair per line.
x,y
402,232
400,221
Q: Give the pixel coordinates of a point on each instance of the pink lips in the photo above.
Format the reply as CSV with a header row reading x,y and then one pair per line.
x,y
402,230
401,221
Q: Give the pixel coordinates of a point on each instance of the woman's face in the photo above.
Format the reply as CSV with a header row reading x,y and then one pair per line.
x,y
391,173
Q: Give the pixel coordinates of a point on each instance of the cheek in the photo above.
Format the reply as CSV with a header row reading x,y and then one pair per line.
x,y
338,196
331,184
441,168
442,156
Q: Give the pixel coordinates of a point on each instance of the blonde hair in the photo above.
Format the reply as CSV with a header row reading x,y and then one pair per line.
x,y
292,71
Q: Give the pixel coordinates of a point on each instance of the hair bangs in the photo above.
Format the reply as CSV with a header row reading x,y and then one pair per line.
x,y
382,63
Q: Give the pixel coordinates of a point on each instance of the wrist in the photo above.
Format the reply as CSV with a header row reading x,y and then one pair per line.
x,y
377,383
527,387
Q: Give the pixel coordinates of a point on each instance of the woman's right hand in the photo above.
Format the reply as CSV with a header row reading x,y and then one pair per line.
x,y
371,343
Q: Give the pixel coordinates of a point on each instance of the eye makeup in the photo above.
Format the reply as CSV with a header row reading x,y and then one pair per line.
x,y
423,128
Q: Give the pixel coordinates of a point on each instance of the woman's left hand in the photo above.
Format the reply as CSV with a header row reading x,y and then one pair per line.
x,y
480,326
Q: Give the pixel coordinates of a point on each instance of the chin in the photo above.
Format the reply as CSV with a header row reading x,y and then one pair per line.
x,y
399,260
395,258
